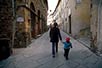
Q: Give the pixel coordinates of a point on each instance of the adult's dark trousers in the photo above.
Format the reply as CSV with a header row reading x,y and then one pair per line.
x,y
54,47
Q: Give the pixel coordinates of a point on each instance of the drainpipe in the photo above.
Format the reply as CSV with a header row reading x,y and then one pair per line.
x,y
99,23
13,30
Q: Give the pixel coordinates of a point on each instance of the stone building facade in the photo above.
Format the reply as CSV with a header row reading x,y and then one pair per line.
x,y
77,17
31,16
81,19
74,16
6,32
99,39
20,22
96,26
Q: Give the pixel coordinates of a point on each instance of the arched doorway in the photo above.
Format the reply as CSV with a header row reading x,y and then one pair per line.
x,y
70,24
33,20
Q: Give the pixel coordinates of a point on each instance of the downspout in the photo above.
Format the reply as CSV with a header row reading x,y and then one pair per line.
x,y
13,30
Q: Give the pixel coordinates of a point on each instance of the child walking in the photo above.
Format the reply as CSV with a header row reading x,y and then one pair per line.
x,y
67,46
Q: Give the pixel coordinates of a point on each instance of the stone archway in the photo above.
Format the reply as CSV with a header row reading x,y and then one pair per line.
x,y
33,20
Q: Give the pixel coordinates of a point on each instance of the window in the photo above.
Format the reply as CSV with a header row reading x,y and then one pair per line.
x,y
91,5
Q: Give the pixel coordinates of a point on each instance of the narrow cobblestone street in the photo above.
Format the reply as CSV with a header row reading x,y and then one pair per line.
x,y
38,55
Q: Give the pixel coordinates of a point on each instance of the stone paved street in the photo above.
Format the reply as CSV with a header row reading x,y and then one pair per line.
x,y
38,55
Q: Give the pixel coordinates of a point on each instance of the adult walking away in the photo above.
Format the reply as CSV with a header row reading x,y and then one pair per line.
x,y
54,38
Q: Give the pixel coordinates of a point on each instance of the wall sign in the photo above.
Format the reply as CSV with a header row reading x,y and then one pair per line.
x,y
20,19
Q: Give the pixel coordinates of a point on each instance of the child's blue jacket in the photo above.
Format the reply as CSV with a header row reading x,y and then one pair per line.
x,y
67,45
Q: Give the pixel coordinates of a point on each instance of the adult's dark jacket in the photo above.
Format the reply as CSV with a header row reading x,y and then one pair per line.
x,y
55,34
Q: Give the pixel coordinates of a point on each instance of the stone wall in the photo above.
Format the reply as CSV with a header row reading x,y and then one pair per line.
x,y
73,16
6,20
35,19
96,26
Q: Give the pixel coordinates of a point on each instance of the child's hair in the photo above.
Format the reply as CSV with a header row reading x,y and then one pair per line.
x,y
67,39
